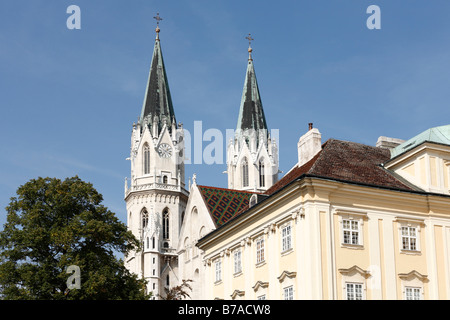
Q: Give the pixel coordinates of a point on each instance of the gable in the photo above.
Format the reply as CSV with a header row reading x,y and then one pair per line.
x,y
224,204
197,221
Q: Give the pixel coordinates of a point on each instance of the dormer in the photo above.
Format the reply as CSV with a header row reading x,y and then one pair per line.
x,y
424,160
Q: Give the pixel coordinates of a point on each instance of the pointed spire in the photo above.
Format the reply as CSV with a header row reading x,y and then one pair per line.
x,y
157,108
251,113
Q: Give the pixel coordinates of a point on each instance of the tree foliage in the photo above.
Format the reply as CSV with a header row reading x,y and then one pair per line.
x,y
53,224
178,292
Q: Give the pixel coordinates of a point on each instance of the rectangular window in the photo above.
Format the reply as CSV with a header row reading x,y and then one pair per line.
x,y
259,250
237,261
351,231
218,270
354,291
286,238
409,238
288,293
412,293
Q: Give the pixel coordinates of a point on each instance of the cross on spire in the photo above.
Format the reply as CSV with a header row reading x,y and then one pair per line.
x,y
157,18
250,39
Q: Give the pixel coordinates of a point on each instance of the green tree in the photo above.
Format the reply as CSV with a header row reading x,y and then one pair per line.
x,y
53,224
178,292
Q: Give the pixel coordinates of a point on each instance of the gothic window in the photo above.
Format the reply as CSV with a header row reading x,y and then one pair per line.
x,y
144,219
146,159
261,174
165,217
186,249
167,280
245,173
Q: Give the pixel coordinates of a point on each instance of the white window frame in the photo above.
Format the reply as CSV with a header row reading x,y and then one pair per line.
x,y
413,293
409,238
288,293
260,248
354,286
218,270
286,237
353,217
354,275
350,229
409,224
237,255
413,280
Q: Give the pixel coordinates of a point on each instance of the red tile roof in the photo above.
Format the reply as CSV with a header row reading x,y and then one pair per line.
x,y
223,204
349,162
338,160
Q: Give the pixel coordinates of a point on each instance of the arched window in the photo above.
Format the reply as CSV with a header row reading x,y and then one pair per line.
x,y
165,225
186,249
148,242
165,179
130,222
146,159
261,174
144,219
153,242
245,173
167,280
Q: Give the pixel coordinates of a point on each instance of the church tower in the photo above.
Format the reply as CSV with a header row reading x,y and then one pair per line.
x,y
252,156
155,195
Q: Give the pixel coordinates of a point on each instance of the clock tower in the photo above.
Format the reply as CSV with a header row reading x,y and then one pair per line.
x,y
156,196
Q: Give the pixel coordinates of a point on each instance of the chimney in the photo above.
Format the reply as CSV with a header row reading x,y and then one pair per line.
x,y
388,143
309,145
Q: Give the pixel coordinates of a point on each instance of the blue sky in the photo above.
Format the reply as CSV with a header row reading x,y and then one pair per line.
x,y
69,97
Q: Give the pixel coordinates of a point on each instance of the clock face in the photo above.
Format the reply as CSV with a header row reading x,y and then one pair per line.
x,y
164,150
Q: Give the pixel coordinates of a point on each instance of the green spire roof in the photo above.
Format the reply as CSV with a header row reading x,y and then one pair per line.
x,y
157,104
440,135
251,113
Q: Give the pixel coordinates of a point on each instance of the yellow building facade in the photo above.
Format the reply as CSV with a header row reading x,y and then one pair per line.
x,y
350,222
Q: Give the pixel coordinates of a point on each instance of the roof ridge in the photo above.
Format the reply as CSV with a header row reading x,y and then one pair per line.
x,y
227,189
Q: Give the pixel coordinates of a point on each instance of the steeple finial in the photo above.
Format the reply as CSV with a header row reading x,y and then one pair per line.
x,y
158,19
249,38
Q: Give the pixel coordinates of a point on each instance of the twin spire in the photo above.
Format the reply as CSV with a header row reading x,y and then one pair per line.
x,y
251,113
157,109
